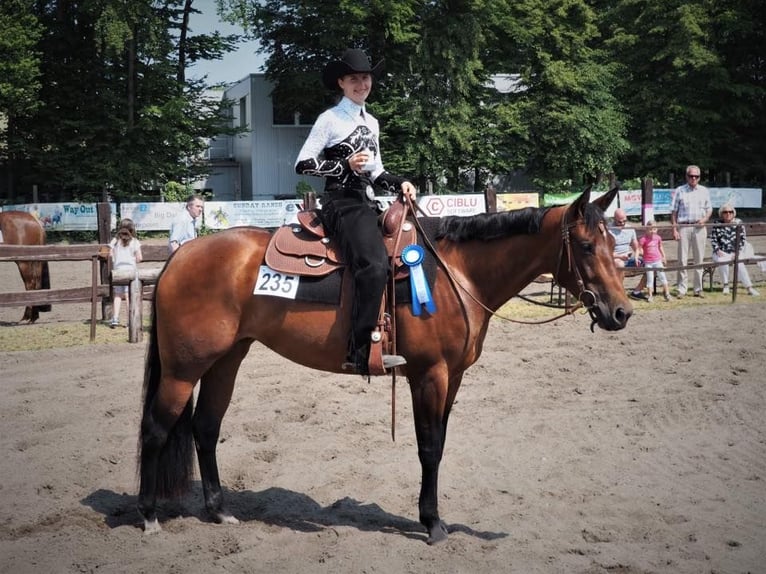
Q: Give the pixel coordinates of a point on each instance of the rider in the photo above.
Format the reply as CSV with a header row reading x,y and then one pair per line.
x,y
344,148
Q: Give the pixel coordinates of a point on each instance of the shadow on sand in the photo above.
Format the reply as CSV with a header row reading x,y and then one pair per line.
x,y
275,507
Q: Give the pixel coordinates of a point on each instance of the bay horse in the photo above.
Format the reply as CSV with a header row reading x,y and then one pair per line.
x,y
205,317
22,228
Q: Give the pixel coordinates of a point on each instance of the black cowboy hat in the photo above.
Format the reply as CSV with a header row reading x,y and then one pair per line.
x,y
353,61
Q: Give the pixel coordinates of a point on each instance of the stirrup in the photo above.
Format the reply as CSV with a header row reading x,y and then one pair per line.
x,y
391,361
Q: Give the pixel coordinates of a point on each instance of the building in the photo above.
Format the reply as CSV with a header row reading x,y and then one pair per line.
x,y
258,164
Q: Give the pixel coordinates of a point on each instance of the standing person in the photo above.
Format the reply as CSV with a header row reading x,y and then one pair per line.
x,y
125,251
627,251
654,258
723,241
344,148
691,208
183,228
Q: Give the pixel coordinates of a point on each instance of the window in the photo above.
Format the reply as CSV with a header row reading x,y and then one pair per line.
x,y
243,112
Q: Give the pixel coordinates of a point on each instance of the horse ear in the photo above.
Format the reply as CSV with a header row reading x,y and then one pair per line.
x,y
579,204
606,200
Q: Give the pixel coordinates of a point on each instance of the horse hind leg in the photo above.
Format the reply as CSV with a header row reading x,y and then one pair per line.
x,y
34,276
45,283
166,451
215,392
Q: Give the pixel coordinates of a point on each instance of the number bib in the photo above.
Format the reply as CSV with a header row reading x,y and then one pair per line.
x,y
276,284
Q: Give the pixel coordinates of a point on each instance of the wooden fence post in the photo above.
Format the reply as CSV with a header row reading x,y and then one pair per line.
x,y
647,200
104,220
135,321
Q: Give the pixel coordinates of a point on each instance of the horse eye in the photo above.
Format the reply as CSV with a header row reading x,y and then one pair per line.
x,y
587,247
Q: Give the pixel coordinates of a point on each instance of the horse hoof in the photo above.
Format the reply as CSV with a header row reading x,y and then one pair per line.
x,y
437,534
152,527
226,519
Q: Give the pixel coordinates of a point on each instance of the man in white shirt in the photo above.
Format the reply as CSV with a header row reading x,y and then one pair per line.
x,y
184,227
690,211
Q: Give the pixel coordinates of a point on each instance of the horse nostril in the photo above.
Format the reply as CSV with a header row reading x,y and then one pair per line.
x,y
622,315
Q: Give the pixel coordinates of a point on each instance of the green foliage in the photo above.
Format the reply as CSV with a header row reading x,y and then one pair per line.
x,y
94,97
174,191
19,67
115,108
442,120
302,188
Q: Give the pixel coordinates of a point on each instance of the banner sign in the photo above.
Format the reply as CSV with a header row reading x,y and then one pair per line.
x,y
511,201
441,205
224,214
64,216
739,197
155,216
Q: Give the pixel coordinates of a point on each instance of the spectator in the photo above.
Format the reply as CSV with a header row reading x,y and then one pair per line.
x,y
691,209
183,228
626,249
125,251
654,258
723,241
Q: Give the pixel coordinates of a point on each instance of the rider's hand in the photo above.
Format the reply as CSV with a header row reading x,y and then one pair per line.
x,y
409,190
357,161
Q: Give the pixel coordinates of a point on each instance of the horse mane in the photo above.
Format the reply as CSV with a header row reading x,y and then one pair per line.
x,y
488,226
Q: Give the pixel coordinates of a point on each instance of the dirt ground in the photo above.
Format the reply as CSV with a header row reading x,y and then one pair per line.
x,y
636,452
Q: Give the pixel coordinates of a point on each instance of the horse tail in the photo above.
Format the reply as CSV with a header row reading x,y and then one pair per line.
x,y
175,462
46,284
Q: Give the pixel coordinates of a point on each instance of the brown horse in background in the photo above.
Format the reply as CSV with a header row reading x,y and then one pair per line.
x,y
21,228
205,317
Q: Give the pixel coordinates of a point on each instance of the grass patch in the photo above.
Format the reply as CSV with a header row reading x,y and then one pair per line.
x,y
519,309
25,337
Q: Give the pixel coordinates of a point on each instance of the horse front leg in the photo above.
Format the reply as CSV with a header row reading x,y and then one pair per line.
x,y
432,399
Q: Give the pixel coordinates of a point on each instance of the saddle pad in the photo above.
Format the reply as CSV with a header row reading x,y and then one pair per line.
x,y
327,289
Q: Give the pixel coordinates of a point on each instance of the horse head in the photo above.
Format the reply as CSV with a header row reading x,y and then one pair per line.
x,y
586,265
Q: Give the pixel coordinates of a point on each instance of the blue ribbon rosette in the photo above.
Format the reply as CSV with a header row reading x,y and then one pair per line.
x,y
412,256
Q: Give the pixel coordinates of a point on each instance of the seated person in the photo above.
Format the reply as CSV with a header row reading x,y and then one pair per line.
x,y
723,240
627,252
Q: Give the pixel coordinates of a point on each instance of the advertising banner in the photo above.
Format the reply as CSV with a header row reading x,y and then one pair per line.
x,y
64,216
441,205
224,214
155,216
511,201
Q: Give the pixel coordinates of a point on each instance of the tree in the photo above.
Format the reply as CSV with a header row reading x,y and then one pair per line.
x,y
667,58
19,60
739,147
116,112
443,121
569,126
19,76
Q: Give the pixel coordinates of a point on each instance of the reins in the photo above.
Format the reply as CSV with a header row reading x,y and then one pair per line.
x,y
456,282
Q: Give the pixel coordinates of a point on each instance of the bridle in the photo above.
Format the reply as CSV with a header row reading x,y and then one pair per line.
x,y
586,298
